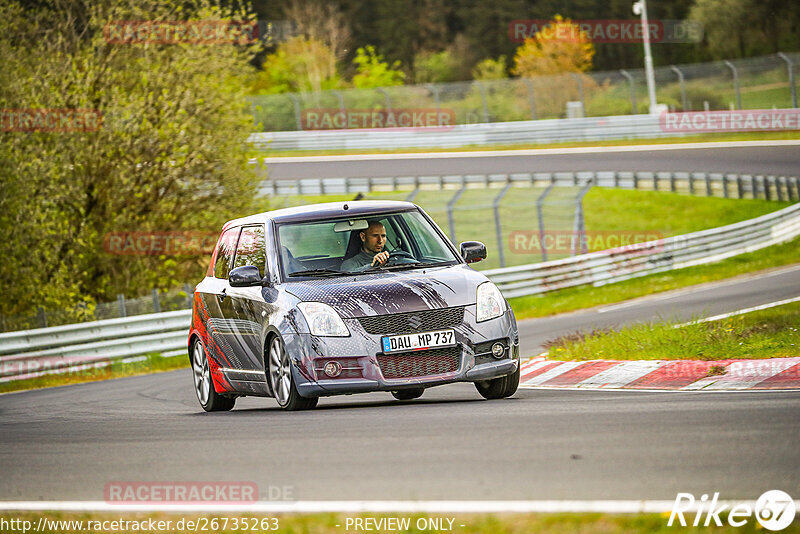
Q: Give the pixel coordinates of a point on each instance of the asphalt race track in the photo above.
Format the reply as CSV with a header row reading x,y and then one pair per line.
x,y
776,158
67,443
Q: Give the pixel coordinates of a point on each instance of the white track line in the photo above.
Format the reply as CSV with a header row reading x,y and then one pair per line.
x,y
308,507
742,311
531,152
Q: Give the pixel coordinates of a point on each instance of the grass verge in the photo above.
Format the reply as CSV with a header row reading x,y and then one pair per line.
x,y
152,363
706,138
578,298
770,333
588,523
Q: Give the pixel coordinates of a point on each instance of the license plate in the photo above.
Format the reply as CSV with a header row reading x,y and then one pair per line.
x,y
421,341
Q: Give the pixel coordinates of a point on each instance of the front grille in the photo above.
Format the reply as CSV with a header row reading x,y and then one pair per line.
x,y
420,363
421,321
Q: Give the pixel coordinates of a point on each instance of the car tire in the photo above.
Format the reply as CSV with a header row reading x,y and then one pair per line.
x,y
408,394
499,388
209,399
279,374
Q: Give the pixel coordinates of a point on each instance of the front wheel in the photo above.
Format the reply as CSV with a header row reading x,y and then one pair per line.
x,y
281,382
408,394
499,388
210,400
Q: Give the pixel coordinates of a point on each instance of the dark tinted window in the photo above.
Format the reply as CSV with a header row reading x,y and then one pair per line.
x,y
225,253
251,249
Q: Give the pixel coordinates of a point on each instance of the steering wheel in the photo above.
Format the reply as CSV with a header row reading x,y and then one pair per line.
x,y
397,256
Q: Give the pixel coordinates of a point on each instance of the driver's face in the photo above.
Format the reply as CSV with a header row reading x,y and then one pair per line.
x,y
374,238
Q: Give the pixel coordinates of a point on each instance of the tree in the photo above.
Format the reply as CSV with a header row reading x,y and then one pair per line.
x,y
561,47
300,64
490,69
373,71
169,155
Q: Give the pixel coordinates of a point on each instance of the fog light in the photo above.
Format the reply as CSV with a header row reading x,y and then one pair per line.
x,y
333,369
498,350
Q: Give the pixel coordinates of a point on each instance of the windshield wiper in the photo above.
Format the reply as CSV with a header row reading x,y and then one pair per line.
x,y
317,272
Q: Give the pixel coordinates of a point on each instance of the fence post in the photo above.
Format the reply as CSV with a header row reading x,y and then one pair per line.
x,y
156,302
579,81
634,107
778,180
579,225
790,67
340,97
691,183
497,225
635,180
482,91
435,90
42,316
540,216
767,192
386,98
531,98
121,302
708,184
739,189
735,83
297,112
682,82
724,185
655,181
450,206
616,179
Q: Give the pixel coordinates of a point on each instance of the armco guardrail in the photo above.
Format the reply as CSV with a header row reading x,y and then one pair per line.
x,y
609,266
31,353
484,134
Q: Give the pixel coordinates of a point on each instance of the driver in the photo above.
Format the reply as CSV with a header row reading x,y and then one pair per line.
x,y
373,240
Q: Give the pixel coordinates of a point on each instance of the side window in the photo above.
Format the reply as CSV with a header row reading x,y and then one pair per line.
x,y
251,249
225,253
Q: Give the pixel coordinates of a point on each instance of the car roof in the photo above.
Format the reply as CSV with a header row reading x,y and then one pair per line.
x,y
313,212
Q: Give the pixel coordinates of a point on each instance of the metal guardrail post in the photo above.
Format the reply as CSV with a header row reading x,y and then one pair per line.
x,y
778,180
156,301
691,183
121,303
450,205
482,91
725,185
531,97
707,178
435,90
735,83
579,225
41,315
767,192
682,82
739,187
340,97
540,216
672,185
497,224
635,180
634,107
386,98
297,111
790,67
655,180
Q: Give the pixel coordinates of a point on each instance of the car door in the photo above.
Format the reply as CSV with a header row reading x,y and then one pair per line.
x,y
249,309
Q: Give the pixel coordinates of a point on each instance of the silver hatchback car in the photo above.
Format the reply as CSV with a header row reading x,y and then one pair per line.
x,y
345,298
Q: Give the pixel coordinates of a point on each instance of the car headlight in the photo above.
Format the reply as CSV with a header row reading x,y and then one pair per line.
x,y
491,303
323,320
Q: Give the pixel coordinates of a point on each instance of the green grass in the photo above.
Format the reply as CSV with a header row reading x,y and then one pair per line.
x,y
704,138
770,333
589,523
153,363
577,298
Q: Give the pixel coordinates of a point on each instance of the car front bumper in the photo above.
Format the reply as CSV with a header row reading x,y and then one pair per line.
x,y
360,354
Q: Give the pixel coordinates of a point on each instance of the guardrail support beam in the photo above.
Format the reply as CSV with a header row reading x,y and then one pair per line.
x,y
632,84
735,83
790,67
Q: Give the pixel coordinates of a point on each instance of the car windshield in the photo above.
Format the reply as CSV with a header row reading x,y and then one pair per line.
x,y
343,246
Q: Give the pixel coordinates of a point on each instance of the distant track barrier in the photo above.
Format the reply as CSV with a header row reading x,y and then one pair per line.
x,y
60,349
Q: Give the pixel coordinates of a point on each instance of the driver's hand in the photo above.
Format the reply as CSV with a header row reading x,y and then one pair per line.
x,y
380,257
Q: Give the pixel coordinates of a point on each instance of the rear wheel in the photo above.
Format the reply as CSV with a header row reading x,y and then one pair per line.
x,y
280,379
408,394
210,400
499,388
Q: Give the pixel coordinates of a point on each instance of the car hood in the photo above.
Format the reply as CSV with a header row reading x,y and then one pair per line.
x,y
392,292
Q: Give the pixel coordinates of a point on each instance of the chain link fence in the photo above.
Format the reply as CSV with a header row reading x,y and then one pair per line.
x,y
765,82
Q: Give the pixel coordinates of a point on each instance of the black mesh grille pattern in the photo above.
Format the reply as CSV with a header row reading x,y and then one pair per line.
x,y
483,351
420,363
421,321
350,368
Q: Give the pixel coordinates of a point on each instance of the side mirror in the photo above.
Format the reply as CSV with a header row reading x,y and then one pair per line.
x,y
245,276
473,251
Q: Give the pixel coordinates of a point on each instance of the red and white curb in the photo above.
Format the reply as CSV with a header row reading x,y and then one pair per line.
x,y
689,375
